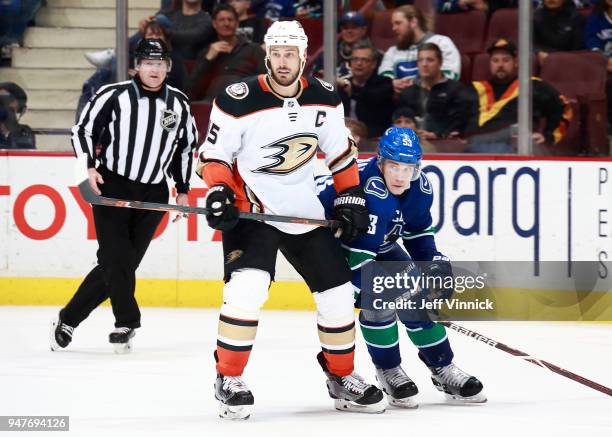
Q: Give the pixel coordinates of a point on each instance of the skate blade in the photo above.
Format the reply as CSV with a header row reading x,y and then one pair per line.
x,y
353,407
478,398
409,403
234,412
122,348
54,346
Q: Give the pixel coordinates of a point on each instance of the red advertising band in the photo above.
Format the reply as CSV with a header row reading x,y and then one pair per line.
x,y
517,353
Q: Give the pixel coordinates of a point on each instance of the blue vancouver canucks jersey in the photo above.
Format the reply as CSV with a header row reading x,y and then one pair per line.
x,y
392,217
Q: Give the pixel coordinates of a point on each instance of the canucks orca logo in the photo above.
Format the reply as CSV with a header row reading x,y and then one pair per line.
x,y
376,186
425,184
328,86
293,152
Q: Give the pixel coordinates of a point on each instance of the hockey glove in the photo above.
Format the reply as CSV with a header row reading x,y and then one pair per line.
x,y
223,213
439,277
350,209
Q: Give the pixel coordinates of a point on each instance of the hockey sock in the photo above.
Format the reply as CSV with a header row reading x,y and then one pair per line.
x,y
234,343
433,344
338,345
382,341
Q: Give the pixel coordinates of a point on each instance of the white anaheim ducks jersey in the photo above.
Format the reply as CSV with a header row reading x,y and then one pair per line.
x,y
270,144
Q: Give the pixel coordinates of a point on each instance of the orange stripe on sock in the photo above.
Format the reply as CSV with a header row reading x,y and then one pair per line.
x,y
340,364
231,363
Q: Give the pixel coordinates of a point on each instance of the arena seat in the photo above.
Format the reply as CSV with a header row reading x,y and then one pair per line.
x,y
582,76
502,24
466,29
466,70
381,33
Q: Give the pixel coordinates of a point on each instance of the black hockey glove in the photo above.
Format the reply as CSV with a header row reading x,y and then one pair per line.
x,y
439,276
350,209
223,214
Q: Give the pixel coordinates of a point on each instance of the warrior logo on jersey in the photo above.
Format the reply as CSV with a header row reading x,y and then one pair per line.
x,y
238,90
293,152
168,119
328,86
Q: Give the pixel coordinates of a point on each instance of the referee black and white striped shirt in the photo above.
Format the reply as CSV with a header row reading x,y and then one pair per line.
x,y
144,135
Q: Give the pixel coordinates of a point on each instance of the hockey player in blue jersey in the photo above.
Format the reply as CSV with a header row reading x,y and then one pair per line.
x,y
399,199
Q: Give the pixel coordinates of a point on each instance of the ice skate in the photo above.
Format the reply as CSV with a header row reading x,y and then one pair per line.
x,y
352,393
61,334
457,385
398,387
121,339
235,398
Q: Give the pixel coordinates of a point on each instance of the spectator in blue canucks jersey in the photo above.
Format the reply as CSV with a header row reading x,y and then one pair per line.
x,y
400,61
399,198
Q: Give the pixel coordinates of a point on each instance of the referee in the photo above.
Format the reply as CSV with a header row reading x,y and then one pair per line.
x,y
145,131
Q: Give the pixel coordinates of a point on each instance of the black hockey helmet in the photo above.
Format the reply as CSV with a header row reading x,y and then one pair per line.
x,y
152,49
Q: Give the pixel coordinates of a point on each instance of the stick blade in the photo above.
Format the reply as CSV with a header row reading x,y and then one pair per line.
x,y
86,192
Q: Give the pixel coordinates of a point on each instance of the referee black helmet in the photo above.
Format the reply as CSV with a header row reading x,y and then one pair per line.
x,y
154,49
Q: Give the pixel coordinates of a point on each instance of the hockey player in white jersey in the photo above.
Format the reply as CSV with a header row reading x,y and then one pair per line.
x,y
259,156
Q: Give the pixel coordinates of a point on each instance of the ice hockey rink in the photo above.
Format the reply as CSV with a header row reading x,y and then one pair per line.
x,y
164,387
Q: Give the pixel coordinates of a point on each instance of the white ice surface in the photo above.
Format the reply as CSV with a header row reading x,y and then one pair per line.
x,y
165,386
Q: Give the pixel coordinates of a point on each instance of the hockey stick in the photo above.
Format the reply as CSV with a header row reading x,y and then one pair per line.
x,y
89,196
517,353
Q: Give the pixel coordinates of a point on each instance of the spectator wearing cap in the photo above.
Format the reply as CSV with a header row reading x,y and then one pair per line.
x,y
557,26
439,104
494,105
366,96
353,28
404,117
13,104
400,61
225,61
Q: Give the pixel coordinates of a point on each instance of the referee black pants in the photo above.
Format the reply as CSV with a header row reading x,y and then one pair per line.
x,y
123,238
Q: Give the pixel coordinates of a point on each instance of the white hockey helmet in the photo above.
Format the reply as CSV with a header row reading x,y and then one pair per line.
x,y
286,33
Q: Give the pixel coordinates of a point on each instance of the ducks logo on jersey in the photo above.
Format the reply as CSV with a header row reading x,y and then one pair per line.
x,y
292,153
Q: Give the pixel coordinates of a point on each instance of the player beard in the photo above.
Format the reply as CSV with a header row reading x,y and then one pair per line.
x,y
285,82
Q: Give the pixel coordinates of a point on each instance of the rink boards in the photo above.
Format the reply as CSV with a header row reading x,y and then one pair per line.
x,y
486,208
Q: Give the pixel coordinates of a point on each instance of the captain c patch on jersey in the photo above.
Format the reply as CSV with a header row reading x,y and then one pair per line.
x,y
291,153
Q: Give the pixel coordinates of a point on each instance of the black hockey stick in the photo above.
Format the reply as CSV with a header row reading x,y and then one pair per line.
x,y
517,353
89,196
